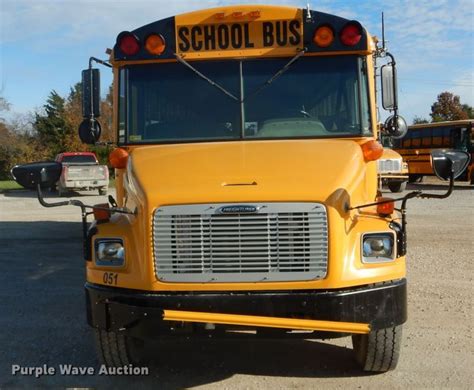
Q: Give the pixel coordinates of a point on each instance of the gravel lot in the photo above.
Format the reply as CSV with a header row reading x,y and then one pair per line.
x,y
42,312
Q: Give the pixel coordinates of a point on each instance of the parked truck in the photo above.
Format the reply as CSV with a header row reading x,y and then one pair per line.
x,y
81,171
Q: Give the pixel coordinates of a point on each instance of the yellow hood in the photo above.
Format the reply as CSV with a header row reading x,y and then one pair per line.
x,y
250,171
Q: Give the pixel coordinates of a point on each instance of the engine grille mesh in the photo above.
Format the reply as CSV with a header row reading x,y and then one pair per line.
x,y
390,165
281,242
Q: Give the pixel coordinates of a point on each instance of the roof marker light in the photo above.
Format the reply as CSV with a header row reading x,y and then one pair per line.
x,y
128,43
323,36
351,34
155,44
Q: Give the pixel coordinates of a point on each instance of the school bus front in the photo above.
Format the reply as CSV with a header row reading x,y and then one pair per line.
x,y
247,136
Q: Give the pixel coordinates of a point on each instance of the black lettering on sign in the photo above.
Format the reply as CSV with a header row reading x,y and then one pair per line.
x,y
268,39
196,43
183,34
223,36
236,36
295,36
210,37
247,42
281,33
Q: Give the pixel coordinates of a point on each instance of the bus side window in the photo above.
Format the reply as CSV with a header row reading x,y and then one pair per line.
x,y
437,136
446,137
427,139
415,141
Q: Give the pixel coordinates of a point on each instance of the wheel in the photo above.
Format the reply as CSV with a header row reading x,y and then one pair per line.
x,y
103,191
118,350
379,350
397,186
415,178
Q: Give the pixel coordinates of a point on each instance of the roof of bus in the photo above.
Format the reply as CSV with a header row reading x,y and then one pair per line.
x,y
441,124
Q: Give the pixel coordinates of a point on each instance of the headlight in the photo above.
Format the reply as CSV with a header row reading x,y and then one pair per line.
x,y
378,247
109,252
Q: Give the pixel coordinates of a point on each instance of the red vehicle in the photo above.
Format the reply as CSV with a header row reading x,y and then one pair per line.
x,y
81,171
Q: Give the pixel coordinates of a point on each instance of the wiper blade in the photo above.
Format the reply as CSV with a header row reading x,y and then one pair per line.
x,y
213,83
279,73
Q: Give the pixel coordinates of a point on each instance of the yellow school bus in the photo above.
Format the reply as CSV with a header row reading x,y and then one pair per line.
x,y
416,146
393,171
247,136
246,185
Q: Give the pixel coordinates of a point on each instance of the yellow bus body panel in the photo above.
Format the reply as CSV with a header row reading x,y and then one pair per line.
x,y
329,171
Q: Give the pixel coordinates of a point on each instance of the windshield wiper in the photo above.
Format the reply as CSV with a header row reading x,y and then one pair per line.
x,y
279,73
213,83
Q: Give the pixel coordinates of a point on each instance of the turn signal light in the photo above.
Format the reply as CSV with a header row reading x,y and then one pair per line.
x,y
118,158
372,150
128,44
155,44
385,208
99,213
323,36
351,34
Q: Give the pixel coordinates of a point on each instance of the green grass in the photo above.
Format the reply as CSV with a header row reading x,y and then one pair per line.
x,y
7,185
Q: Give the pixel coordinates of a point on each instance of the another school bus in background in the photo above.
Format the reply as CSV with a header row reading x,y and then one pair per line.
x,y
392,170
415,147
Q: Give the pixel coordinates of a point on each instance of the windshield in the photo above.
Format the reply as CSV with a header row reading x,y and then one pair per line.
x,y
314,97
79,159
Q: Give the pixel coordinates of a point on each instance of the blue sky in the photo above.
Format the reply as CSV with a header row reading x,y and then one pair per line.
x,y
44,44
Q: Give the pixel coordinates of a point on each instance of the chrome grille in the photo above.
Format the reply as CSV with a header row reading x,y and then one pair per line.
x,y
390,165
279,242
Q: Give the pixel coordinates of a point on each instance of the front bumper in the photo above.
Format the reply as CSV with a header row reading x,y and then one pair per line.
x,y
85,183
141,313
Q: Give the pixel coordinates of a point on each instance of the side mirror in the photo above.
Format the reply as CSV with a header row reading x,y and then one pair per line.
x,y
447,163
90,93
388,76
395,128
45,173
90,129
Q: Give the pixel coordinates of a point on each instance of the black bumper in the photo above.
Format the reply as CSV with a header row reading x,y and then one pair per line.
x,y
140,313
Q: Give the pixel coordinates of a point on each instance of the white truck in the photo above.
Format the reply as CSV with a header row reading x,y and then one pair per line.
x,y
81,171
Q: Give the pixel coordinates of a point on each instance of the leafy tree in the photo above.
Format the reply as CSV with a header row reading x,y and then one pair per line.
x,y
51,126
447,108
468,110
419,120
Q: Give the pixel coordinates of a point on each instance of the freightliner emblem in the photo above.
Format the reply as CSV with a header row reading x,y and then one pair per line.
x,y
237,209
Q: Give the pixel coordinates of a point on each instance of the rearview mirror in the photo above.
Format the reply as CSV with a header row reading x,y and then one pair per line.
x,y
388,78
44,173
447,163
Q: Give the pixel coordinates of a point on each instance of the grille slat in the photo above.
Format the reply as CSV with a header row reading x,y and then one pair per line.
x,y
282,241
389,165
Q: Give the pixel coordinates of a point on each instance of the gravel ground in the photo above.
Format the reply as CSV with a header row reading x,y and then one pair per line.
x,y
42,312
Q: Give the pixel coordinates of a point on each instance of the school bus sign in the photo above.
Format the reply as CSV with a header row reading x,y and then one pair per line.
x,y
250,38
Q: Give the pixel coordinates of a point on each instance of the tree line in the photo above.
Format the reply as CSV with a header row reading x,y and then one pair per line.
x,y
447,107
50,130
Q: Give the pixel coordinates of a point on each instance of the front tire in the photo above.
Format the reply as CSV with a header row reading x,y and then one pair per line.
x,y
397,186
118,350
379,350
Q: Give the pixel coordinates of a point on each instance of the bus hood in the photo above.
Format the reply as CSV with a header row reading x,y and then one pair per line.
x,y
250,171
